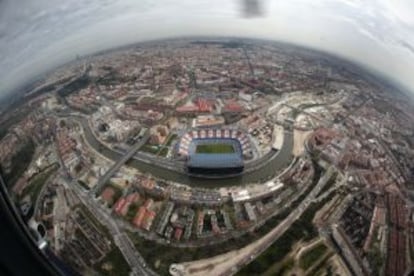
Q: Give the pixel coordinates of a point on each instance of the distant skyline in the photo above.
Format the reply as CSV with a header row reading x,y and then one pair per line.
x,y
36,36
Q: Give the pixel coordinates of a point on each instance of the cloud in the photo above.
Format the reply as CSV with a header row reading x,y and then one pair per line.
x,y
407,46
403,10
37,35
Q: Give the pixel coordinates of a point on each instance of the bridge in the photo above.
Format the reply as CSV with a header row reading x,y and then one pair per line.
x,y
118,164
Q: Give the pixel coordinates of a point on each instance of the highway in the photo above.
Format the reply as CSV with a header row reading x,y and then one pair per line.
x,y
105,178
135,261
277,232
231,262
173,170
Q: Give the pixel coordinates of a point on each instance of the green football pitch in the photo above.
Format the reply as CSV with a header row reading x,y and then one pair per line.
x,y
215,148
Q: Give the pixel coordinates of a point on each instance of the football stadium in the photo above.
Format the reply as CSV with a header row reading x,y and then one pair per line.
x,y
214,152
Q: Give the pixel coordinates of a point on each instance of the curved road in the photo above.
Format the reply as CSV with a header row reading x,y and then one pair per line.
x,y
163,170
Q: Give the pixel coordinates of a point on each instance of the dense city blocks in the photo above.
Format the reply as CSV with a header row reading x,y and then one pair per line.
x,y
215,157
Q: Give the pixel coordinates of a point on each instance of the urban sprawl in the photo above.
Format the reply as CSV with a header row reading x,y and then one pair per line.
x,y
99,155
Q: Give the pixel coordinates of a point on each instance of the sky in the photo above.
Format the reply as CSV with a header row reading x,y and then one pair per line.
x,y
36,36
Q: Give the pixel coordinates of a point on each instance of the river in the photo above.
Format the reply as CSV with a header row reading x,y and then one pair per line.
x,y
277,164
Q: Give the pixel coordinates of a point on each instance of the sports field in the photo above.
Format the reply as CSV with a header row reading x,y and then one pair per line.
x,y
215,148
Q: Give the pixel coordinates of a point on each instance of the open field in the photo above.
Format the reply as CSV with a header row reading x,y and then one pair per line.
x,y
215,148
299,138
113,264
35,186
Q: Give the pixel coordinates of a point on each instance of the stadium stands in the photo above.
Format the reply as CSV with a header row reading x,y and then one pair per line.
x,y
218,161
187,139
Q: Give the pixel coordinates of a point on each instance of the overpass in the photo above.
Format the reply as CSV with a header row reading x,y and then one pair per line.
x,y
174,170
118,164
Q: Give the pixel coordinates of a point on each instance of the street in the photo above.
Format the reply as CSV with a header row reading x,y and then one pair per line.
x,y
105,178
122,241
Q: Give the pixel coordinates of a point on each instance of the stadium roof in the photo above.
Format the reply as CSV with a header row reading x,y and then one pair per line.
x,y
220,160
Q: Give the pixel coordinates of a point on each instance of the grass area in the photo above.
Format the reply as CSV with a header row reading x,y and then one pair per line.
x,y
163,152
312,255
280,268
159,149
301,229
160,257
19,163
171,139
132,210
113,264
323,267
35,186
376,260
215,148
149,148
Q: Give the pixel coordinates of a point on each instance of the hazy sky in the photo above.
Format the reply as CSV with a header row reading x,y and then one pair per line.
x,y
37,35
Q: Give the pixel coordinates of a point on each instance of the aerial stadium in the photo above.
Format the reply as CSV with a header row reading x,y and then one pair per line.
x,y
214,152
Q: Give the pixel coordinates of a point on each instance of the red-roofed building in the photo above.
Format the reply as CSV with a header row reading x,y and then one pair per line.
x,y
149,218
108,194
119,205
131,198
139,217
187,109
204,105
200,105
233,106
